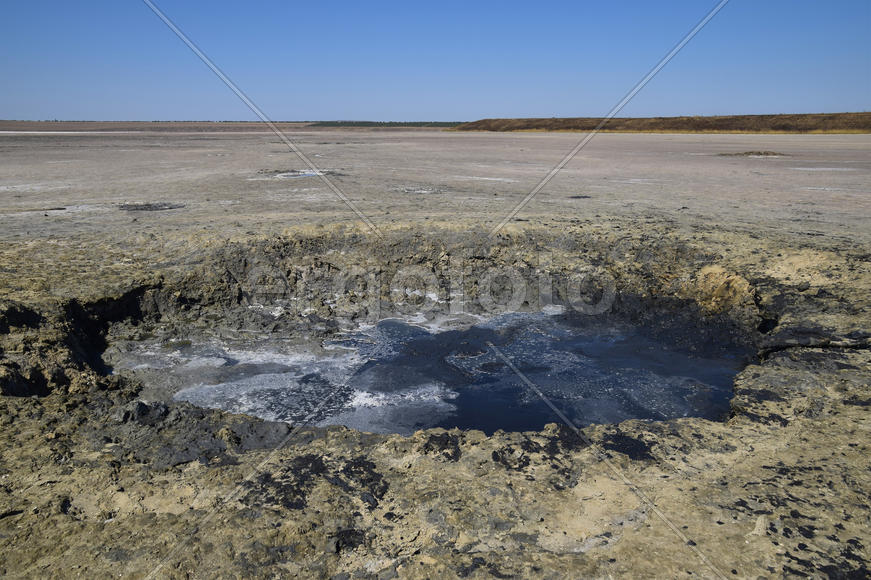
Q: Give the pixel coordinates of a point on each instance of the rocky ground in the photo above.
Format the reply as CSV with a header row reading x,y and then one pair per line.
x,y
97,482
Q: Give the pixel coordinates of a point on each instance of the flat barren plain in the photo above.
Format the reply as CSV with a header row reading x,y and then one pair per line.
x,y
167,234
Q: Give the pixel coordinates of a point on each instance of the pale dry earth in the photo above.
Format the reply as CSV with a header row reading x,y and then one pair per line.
x,y
768,250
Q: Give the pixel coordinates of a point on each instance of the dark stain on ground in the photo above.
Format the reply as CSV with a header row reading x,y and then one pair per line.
x,y
363,473
857,402
290,487
511,458
156,206
358,477
478,563
631,447
565,439
348,540
443,445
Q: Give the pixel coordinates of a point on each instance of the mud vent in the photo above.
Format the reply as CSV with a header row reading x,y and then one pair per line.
x,y
398,376
402,336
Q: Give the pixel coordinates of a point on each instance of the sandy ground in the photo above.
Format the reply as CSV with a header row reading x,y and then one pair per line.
x,y
820,185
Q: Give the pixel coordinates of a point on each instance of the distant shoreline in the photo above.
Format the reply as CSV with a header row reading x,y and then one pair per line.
x,y
800,123
10,126
812,123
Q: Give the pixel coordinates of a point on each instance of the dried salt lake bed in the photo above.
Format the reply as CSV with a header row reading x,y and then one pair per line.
x,y
103,476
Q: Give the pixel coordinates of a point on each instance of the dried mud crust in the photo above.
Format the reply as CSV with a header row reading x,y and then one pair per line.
x,y
95,481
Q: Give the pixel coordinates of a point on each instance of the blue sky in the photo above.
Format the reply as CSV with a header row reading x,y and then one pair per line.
x,y
446,60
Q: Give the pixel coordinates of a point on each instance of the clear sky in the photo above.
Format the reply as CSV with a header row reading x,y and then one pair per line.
x,y
440,60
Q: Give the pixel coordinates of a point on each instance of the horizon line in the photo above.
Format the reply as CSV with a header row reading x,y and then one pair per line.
x,y
257,121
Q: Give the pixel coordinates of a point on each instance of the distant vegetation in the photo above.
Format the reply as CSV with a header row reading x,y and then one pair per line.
x,y
385,123
807,123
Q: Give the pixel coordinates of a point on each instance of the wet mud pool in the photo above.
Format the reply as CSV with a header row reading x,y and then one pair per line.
x,y
398,377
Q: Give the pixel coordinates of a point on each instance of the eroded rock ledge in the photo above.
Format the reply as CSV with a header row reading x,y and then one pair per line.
x,y
96,481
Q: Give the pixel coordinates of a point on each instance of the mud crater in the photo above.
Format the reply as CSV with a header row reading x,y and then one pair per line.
x,y
319,331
